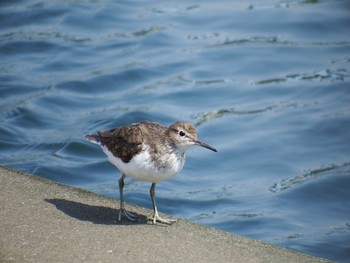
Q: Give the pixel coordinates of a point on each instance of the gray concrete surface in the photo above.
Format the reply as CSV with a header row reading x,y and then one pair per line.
x,y
43,221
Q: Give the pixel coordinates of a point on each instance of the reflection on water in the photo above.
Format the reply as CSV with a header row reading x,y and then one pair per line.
x,y
271,94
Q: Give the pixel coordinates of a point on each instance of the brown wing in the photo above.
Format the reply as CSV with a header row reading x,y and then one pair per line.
x,y
123,142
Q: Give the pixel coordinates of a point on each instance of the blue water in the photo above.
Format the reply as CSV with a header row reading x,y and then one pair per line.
x,y
266,82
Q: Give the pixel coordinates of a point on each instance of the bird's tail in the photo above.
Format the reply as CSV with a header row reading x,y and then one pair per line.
x,y
94,138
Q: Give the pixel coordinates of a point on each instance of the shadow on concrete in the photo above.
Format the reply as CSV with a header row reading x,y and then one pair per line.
x,y
94,214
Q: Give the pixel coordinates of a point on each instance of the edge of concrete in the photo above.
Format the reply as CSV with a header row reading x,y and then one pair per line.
x,y
44,221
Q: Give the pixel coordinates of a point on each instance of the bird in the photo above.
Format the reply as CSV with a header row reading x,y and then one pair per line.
x,y
147,151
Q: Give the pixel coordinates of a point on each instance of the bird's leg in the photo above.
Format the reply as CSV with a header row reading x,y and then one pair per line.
x,y
122,210
156,217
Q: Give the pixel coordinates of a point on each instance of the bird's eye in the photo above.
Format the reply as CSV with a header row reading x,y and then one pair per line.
x,y
182,133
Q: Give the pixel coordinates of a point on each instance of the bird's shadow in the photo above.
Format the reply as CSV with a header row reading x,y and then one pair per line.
x,y
94,214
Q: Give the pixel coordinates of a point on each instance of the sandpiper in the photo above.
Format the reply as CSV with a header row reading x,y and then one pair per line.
x,y
147,151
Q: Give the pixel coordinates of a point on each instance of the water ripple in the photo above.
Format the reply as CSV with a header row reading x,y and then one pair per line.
x,y
264,40
309,175
215,114
218,113
328,74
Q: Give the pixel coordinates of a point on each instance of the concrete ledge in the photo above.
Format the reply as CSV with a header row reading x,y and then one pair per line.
x,y
43,221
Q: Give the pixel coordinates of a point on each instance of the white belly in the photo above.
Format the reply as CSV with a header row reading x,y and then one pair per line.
x,y
142,168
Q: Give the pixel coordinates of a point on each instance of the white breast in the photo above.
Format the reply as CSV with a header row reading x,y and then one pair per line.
x,y
141,167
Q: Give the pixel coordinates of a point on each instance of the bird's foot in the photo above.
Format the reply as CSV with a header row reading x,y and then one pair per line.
x,y
157,218
130,216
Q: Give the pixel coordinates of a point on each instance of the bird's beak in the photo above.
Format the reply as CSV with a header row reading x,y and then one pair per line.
x,y
199,143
